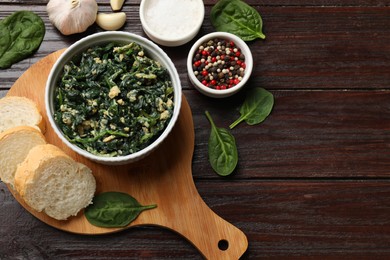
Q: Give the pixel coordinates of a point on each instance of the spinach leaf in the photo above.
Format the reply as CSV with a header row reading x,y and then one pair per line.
x,y
256,107
114,209
5,38
21,35
223,155
237,17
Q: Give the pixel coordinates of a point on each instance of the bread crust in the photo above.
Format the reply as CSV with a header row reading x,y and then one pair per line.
x,y
16,137
9,102
7,133
34,160
47,165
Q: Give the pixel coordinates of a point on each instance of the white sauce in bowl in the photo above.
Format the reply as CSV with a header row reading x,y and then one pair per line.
x,y
173,19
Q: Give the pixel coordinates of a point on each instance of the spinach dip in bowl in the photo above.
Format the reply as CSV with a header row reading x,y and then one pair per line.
x,y
113,99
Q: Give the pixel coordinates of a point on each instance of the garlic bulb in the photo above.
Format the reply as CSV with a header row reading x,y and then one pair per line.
x,y
72,16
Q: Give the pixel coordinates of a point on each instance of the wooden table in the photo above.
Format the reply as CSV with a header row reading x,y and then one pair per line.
x,y
313,180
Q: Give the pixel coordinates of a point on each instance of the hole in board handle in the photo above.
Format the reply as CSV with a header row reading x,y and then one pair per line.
x,y
223,244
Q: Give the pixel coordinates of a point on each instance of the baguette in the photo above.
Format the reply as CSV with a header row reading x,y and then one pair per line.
x,y
19,111
50,181
15,143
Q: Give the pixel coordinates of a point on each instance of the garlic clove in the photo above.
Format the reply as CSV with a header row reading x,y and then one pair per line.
x,y
72,16
111,21
116,5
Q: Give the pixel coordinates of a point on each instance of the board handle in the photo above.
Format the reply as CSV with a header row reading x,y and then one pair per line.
x,y
214,237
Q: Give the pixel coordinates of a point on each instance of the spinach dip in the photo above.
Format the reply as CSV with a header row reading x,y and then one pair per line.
x,y
113,100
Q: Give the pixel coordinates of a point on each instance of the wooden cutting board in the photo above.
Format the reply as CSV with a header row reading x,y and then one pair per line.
x,y
163,178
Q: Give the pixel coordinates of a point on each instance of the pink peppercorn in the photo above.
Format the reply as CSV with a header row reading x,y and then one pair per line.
x,y
218,64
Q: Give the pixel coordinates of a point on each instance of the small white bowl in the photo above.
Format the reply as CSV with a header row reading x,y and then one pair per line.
x,y
152,50
220,93
171,22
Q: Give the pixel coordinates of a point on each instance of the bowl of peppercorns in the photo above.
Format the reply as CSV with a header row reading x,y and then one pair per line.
x,y
219,64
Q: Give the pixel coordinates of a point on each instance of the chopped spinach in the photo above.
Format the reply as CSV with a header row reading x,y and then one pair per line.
x,y
21,34
113,100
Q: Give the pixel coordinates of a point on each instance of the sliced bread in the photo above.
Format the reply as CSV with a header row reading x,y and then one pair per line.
x,y
49,180
19,111
15,143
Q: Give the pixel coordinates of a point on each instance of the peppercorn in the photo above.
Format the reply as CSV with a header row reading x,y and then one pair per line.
x,y
219,64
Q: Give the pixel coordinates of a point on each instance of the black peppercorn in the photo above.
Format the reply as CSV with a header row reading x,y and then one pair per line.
x,y
219,64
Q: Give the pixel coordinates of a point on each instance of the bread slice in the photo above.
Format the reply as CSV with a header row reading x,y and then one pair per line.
x,y
15,143
19,111
49,180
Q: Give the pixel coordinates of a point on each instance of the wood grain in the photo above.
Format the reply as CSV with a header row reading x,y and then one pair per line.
x,y
317,46
163,178
312,180
283,219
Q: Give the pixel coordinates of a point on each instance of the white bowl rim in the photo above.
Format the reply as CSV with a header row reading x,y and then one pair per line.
x,y
248,61
75,48
165,40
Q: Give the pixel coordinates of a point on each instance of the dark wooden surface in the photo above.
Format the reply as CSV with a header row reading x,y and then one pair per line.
x,y
312,181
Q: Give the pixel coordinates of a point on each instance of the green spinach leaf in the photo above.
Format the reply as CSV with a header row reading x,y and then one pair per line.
x,y
237,17
114,209
223,155
5,38
256,107
21,34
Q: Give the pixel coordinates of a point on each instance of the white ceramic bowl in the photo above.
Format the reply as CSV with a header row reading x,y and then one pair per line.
x,y
171,22
220,93
152,51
